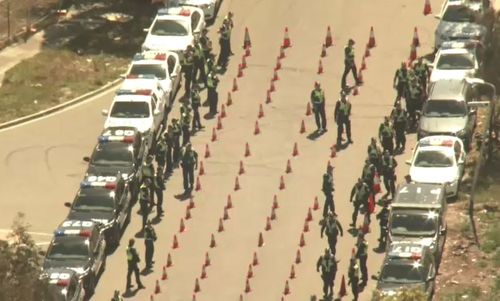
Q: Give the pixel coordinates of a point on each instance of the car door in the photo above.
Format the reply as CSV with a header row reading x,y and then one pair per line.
x,y
174,68
155,109
197,22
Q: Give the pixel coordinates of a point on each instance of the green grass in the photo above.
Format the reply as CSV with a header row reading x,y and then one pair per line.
x,y
468,293
53,77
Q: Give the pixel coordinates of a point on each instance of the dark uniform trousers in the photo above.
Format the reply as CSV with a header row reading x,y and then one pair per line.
x,y
132,261
170,159
389,184
150,250
159,187
213,99
199,64
349,67
196,116
341,123
144,210
320,115
399,128
188,78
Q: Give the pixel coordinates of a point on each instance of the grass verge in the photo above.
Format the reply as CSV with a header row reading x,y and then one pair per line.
x,y
53,77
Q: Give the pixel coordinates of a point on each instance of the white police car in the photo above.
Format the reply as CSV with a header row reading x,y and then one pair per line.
x,y
163,65
174,29
63,285
438,160
209,7
457,60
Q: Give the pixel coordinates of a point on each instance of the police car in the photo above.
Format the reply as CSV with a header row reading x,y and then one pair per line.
x,y
139,103
174,29
438,160
106,200
63,285
209,7
163,65
407,265
457,60
417,214
79,246
119,150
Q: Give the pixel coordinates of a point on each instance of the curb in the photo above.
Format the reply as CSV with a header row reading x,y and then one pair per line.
x,y
60,106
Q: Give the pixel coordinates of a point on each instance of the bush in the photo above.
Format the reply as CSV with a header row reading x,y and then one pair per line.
x,y
412,294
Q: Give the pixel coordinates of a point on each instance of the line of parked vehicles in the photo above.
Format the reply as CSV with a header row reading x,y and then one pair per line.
x,y
137,116
417,220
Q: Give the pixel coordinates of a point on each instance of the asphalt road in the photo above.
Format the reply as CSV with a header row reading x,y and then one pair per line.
x,y
41,161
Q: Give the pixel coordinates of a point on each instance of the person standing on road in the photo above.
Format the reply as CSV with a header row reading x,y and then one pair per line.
x,y
149,240
342,118
159,187
389,165
212,95
353,275
188,69
400,81
144,201
177,132
383,220
195,104
362,255
349,64
169,151
368,174
400,123
230,24
132,262
185,123
328,266
359,197
328,190
422,72
199,63
189,163
318,105
386,135
161,152
206,43
375,154
331,226
225,42
148,174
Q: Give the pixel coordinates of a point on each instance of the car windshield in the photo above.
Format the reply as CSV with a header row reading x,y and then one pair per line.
x,y
113,154
402,273
456,61
445,108
94,203
433,158
149,69
458,13
418,223
129,109
75,249
168,28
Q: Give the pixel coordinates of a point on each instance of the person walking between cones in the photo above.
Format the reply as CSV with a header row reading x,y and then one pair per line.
x,y
189,162
349,64
195,104
342,115
353,275
400,122
177,132
318,105
375,154
359,197
332,227
132,262
328,266
383,220
386,135
149,239
400,81
389,165
212,96
328,190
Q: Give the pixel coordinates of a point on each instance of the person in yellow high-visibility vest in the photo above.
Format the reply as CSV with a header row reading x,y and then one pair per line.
x,y
318,105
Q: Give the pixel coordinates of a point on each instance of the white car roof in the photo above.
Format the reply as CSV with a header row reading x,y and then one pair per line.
x,y
453,51
140,84
131,98
439,143
179,12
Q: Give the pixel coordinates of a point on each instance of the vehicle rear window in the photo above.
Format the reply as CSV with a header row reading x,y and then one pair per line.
x,y
76,249
148,69
112,154
168,28
456,61
102,203
444,108
123,109
402,273
456,13
433,158
413,224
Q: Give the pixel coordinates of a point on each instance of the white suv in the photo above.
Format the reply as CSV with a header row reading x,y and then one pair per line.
x,y
209,7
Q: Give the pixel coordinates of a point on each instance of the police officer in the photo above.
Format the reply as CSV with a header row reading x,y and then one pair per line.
x,y
169,150
189,162
159,187
224,41
188,68
185,123
148,174
386,135
195,104
149,239
362,255
331,226
212,95
359,197
161,152
400,81
353,275
318,104
199,62
132,260
374,154
328,266
342,118
176,130
211,68
389,165
415,100
230,24
206,43
383,219
116,296
349,64
144,201
399,122
368,174
328,190
422,72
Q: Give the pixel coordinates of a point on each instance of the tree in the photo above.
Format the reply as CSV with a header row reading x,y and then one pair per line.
x,y
408,294
20,265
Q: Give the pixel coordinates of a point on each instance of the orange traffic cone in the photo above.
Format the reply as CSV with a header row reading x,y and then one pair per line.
x,y
272,88
214,135
237,184
329,38
257,129
207,259
250,272
219,123
268,97
226,214
367,51
202,169
278,64
427,8
194,297
316,203
229,99
203,272
247,51
175,243
343,290
229,202
355,91
415,41
282,53
261,111
157,287
247,150
273,213
329,164
286,40
363,64
182,227
151,298
235,85
246,40
298,257
241,297
198,184
282,183
261,240
207,151
242,169
308,109
288,167
306,226
275,76
247,287
212,241
302,127
353,253
197,286
323,51
191,204
413,54
333,152
223,111
292,272
295,151
240,71
188,212
221,226
309,215
302,241
243,62
255,260
371,42
169,260
164,274
287,289
268,224
360,75
320,67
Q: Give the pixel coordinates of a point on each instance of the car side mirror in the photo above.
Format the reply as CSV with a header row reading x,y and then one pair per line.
x,y
408,162
145,29
104,112
442,231
86,159
472,112
42,253
67,204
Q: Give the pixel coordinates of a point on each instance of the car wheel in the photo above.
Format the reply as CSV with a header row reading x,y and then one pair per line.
x,y
90,283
